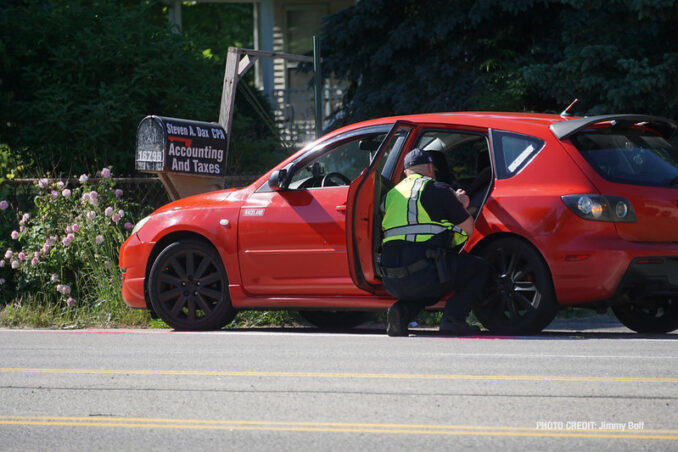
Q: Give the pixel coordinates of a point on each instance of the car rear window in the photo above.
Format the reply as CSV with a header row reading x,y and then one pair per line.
x,y
630,156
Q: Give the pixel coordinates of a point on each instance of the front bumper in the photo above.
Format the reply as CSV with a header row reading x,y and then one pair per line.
x,y
134,255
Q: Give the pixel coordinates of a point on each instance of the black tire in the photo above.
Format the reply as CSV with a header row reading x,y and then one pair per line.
x,y
188,287
335,320
520,298
654,315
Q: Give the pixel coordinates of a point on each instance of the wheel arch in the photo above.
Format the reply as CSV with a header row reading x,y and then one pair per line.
x,y
487,241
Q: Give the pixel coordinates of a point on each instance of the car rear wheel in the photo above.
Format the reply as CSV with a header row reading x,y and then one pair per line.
x,y
520,298
188,287
655,315
335,319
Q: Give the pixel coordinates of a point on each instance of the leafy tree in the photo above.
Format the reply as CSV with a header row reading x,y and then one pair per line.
x,y
407,56
614,55
78,76
215,27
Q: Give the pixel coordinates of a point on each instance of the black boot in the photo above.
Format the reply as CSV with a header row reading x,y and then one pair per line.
x,y
397,319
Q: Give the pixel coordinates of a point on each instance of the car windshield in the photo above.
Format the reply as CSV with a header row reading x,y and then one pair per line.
x,y
631,156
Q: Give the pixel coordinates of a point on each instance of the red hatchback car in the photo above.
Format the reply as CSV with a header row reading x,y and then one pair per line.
x,y
569,212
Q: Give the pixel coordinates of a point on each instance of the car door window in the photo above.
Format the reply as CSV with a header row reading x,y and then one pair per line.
x,y
338,164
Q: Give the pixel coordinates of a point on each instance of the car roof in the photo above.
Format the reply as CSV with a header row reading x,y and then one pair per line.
x,y
529,123
561,126
514,121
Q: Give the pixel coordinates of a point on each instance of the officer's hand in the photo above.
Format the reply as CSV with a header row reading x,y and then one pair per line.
x,y
462,197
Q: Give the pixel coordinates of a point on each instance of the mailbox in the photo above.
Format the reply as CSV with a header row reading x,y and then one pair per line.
x,y
180,146
188,156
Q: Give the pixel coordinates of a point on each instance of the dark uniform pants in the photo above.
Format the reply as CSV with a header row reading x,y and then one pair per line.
x,y
468,276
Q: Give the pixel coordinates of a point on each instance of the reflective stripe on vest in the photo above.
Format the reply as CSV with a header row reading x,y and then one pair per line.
x,y
414,229
406,219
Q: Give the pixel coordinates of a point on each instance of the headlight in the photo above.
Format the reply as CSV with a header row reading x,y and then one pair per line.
x,y
601,207
140,224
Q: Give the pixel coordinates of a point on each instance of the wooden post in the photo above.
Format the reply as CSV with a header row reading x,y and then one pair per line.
x,y
234,71
228,93
317,87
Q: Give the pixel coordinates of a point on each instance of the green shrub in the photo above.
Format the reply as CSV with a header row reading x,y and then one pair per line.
x,y
59,259
63,253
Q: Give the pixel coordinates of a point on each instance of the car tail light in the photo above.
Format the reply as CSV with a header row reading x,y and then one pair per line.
x,y
601,207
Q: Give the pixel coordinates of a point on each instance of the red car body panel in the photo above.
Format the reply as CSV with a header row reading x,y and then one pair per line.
x,y
312,248
298,247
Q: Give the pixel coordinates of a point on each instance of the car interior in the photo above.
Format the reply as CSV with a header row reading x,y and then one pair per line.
x,y
461,160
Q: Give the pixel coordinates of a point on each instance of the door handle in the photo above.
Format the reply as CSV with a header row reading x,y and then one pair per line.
x,y
341,208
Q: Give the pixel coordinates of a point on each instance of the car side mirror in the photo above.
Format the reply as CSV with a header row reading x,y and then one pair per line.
x,y
277,180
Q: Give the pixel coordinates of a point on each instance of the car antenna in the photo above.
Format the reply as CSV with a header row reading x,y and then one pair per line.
x,y
565,113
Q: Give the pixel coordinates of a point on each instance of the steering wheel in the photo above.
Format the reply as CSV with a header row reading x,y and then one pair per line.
x,y
328,178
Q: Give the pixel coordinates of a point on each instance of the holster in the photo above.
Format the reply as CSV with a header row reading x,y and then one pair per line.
x,y
439,257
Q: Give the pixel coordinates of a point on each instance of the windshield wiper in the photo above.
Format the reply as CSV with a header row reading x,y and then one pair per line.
x,y
673,182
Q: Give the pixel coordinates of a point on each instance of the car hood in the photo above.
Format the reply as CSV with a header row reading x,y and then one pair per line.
x,y
203,200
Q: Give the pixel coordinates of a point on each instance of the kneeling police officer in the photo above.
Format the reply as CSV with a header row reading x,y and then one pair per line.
x,y
425,224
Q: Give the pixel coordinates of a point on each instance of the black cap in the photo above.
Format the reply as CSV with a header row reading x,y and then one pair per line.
x,y
417,157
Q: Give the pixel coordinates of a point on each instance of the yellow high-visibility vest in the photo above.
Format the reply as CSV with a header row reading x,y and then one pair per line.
x,y
406,219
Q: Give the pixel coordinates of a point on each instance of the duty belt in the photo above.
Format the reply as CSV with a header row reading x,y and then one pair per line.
x,y
401,272
434,258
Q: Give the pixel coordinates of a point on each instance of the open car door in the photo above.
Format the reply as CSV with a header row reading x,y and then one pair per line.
x,y
363,212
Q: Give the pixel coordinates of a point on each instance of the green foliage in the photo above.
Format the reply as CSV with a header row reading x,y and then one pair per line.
x,y
617,56
10,167
407,56
78,76
215,27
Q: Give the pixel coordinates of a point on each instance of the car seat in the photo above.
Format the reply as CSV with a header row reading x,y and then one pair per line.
x,y
478,188
442,169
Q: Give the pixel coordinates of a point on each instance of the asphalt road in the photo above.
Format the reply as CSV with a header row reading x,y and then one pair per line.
x,y
578,386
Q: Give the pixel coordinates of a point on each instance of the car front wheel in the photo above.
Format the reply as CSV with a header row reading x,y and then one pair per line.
x,y
188,287
655,315
520,297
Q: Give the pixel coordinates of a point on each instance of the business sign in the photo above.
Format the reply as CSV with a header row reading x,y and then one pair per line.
x,y
180,146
